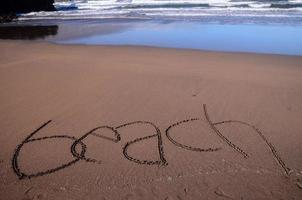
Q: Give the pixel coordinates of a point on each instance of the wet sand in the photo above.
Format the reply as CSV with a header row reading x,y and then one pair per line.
x,y
103,122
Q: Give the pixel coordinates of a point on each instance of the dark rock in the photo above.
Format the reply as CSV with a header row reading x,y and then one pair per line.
x,y
8,17
24,6
9,8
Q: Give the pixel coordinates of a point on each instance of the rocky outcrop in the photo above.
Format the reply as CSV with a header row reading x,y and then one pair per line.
x,y
9,8
24,6
7,17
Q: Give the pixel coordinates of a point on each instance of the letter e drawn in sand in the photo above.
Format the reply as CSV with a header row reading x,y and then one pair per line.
x,y
92,132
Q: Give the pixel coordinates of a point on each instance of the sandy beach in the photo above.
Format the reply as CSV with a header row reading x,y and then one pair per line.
x,y
124,122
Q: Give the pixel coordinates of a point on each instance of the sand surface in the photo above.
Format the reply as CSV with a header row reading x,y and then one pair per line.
x,y
93,122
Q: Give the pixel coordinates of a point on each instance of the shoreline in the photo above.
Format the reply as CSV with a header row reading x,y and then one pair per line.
x,y
254,38
145,47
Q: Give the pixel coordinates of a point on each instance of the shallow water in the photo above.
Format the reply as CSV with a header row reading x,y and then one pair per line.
x,y
273,39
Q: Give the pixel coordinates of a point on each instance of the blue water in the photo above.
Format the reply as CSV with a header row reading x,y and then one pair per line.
x,y
259,26
272,39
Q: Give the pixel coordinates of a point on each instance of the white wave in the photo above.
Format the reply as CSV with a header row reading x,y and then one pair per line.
x,y
102,9
259,5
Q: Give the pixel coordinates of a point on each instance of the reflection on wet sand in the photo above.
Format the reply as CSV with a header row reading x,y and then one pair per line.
x,y
27,32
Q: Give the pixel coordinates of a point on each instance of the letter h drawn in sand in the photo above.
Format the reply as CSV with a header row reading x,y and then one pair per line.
x,y
225,139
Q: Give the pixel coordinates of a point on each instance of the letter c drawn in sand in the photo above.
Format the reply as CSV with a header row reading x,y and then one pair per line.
x,y
168,132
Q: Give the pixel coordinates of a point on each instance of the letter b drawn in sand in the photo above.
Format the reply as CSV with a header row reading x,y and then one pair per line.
x,y
28,140
77,155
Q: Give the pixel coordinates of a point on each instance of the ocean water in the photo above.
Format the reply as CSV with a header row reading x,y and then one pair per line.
x,y
218,11
258,26
274,39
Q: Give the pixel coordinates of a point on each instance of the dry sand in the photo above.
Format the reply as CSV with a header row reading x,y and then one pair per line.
x,y
139,98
